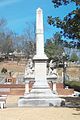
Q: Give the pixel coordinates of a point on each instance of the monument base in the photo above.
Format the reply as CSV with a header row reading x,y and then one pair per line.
x,y
39,102
40,96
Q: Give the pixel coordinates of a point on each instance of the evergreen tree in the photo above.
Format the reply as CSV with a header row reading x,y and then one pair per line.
x,y
74,57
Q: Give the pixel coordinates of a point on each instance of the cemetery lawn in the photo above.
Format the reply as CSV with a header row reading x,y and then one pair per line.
x,y
12,112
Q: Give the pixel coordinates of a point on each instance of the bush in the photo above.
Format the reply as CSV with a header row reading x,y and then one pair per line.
x,y
73,84
4,70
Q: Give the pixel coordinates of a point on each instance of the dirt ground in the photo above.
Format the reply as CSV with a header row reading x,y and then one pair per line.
x,y
12,66
71,71
12,112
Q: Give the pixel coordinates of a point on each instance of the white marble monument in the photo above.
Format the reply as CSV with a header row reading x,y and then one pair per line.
x,y
41,94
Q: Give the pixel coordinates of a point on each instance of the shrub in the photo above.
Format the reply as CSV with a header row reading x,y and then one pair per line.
x,y
74,84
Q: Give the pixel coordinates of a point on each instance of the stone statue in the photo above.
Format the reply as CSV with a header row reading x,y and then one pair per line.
x,y
29,68
51,64
51,69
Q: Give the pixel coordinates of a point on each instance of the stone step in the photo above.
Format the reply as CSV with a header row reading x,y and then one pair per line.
x,y
39,102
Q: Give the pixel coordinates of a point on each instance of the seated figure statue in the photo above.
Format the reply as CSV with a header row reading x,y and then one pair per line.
x,y
29,68
51,69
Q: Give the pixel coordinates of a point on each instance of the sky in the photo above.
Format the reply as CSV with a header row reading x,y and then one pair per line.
x,y
19,12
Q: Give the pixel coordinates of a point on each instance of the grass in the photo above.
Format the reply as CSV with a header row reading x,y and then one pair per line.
x,y
74,84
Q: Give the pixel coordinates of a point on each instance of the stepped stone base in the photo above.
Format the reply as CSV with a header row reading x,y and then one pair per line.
x,y
39,102
40,97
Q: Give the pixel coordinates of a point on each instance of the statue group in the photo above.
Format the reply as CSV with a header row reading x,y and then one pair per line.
x,y
29,70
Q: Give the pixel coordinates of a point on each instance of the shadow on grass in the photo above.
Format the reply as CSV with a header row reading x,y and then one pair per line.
x,y
72,102
76,114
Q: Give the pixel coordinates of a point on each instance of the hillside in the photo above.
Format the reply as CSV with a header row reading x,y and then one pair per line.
x,y
72,71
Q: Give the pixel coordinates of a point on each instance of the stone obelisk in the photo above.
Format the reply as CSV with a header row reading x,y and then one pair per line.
x,y
39,35
41,94
40,59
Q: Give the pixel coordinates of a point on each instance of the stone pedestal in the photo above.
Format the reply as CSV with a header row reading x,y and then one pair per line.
x,y
26,87
41,94
40,73
54,86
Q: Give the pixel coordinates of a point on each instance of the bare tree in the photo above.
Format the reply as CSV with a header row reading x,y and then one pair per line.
x,y
29,39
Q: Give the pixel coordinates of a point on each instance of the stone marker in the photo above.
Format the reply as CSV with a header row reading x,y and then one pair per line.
x,y
41,94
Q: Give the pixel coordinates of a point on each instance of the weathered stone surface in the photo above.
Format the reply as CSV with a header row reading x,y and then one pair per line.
x,y
41,94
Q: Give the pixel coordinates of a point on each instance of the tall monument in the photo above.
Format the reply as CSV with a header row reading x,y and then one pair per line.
x,y
40,59
41,94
